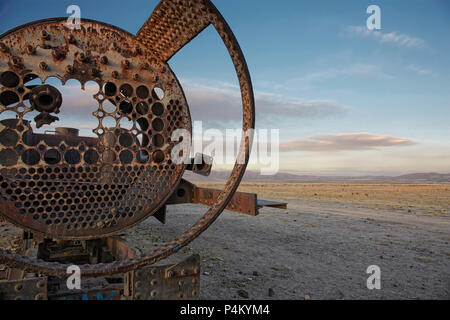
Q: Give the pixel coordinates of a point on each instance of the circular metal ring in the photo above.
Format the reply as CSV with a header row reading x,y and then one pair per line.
x,y
206,12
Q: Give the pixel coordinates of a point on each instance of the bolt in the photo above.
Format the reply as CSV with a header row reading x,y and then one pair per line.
x,y
16,62
196,271
45,35
153,282
126,64
58,54
153,271
95,72
69,69
170,274
137,51
43,65
39,296
30,49
104,60
136,77
145,66
71,39
194,293
18,287
137,296
82,57
184,272
138,284
3,47
115,75
181,295
153,293
180,283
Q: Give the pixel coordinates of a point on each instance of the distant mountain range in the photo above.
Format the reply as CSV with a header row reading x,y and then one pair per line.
x,y
254,176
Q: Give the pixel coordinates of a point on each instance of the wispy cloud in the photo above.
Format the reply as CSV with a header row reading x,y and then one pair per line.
x,y
399,39
356,69
341,142
225,104
420,70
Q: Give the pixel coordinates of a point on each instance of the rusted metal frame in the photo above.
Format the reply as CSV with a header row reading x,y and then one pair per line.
x,y
187,192
209,15
201,164
241,202
163,71
173,282
25,289
272,204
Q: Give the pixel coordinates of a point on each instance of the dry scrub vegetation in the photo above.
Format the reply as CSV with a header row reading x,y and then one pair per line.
x,y
419,199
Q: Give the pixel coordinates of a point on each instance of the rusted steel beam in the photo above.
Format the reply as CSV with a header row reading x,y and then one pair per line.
x,y
272,204
187,192
241,202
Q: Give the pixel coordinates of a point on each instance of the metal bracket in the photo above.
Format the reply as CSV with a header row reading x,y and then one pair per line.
x,y
26,289
173,282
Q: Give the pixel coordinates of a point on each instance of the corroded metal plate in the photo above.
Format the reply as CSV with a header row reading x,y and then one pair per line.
x,y
68,186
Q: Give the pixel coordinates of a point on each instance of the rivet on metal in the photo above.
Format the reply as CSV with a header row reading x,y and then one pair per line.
x,y
3,47
30,49
16,62
126,64
115,74
69,69
145,66
43,65
58,54
45,35
104,60
39,297
95,72
82,57
71,39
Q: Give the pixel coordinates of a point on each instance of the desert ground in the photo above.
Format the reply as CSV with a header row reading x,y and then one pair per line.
x,y
320,247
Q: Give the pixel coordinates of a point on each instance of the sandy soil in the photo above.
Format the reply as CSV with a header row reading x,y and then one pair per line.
x,y
321,246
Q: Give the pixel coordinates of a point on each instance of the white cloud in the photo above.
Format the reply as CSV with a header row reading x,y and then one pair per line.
x,y
224,104
402,40
341,142
357,69
419,70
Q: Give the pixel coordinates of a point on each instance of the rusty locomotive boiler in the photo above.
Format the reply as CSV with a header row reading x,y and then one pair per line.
x,y
71,193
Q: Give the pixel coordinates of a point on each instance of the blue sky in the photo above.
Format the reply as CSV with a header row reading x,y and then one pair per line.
x,y
347,100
